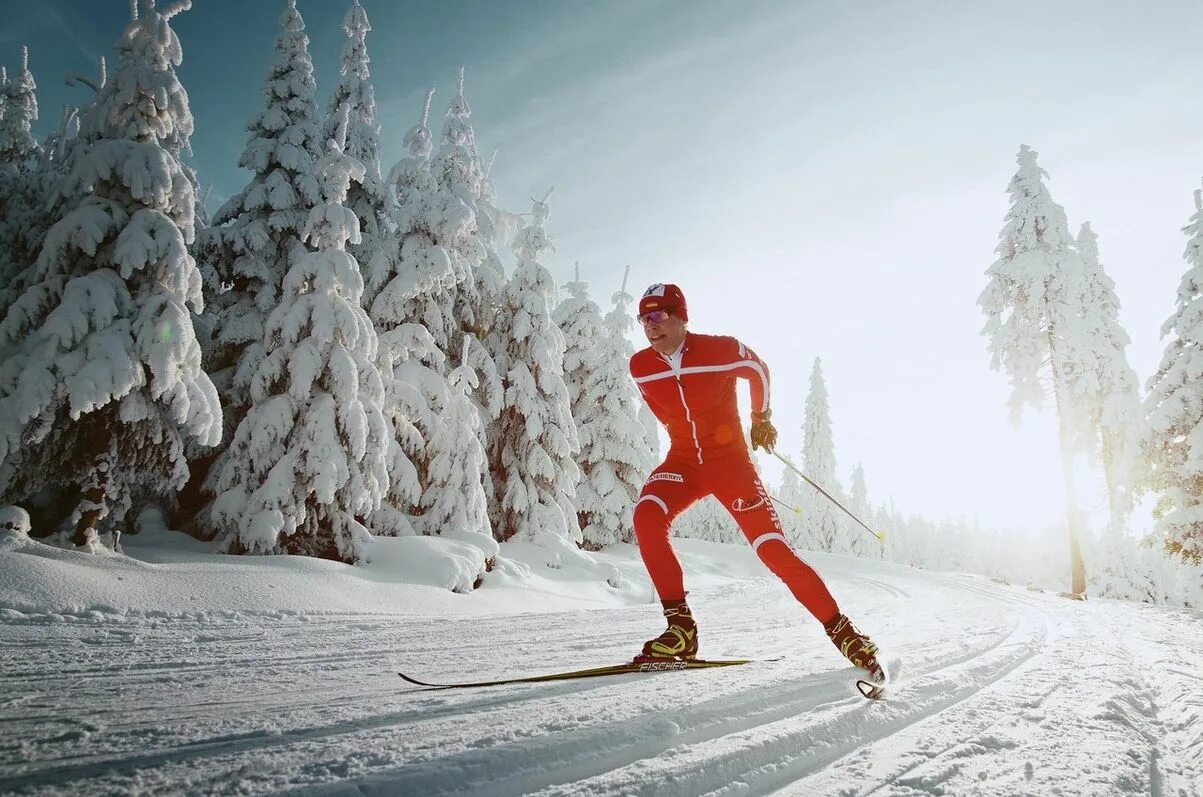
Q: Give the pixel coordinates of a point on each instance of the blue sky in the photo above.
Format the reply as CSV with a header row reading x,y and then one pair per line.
x,y
823,179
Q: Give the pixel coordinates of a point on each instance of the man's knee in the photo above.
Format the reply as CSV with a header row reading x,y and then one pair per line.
x,y
651,516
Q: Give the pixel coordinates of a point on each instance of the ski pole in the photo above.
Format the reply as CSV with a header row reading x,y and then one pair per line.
x,y
880,537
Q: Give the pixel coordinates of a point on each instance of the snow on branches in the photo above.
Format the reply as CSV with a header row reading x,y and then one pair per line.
x,y
309,460
105,370
533,461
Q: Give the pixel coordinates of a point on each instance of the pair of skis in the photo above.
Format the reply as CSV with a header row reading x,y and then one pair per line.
x,y
871,690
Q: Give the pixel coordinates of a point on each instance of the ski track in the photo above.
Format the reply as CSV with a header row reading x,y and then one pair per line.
x,y
995,680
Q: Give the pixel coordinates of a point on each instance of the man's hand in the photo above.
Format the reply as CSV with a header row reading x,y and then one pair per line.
x,y
763,433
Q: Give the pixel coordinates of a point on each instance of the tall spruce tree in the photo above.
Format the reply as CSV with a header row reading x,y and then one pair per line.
x,y
256,233
18,148
532,460
107,376
818,463
858,502
414,281
1173,440
369,199
630,455
1035,320
24,182
309,460
454,503
477,296
614,459
1115,413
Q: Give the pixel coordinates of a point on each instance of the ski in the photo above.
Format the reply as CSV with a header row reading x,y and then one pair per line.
x,y
631,667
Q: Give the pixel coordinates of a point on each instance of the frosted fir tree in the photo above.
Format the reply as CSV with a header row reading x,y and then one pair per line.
x,y
19,149
1173,440
309,460
613,459
818,463
1033,304
792,493
651,428
707,520
533,466
454,504
414,287
1115,412
413,276
858,501
257,232
479,281
410,369
459,169
579,321
107,376
23,186
368,199
631,457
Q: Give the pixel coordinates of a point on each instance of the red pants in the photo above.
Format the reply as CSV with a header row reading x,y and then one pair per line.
x,y
678,482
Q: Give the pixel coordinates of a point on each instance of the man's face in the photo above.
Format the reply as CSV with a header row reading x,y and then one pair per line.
x,y
664,330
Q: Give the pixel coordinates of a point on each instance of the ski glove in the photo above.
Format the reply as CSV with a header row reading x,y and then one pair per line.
x,y
763,433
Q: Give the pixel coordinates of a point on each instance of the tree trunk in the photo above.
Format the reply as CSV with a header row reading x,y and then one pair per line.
x,y
98,440
1077,567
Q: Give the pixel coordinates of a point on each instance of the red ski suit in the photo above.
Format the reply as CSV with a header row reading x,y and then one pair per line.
x,y
693,395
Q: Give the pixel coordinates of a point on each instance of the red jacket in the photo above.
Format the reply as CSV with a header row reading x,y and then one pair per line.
x,y
696,400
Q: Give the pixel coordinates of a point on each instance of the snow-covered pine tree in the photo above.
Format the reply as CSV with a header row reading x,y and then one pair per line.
x,y
23,186
579,321
626,447
1116,412
614,459
457,168
532,461
454,503
368,199
410,368
791,493
621,319
413,281
708,520
18,148
862,543
1034,316
309,460
256,233
818,462
1173,441
108,371
651,428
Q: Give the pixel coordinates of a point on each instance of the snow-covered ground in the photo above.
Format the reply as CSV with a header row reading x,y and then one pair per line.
x,y
175,671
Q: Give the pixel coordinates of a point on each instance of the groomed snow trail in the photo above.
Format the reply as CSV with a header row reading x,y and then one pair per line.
x,y
1004,692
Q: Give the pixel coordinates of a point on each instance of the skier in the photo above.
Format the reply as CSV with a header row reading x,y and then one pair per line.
x,y
688,380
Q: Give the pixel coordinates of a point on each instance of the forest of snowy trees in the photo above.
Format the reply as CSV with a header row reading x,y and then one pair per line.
x,y
340,351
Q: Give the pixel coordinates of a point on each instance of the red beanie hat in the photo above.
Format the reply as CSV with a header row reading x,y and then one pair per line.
x,y
664,297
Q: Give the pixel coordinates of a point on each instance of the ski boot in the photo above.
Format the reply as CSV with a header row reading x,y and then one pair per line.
x,y
679,642
855,646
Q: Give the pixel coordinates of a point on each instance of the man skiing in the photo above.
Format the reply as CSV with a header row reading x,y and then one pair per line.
x,y
688,380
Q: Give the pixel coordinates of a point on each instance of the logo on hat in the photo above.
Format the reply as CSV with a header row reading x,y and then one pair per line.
x,y
655,290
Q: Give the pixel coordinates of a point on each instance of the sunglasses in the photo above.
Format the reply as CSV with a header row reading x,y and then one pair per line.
x,y
654,316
